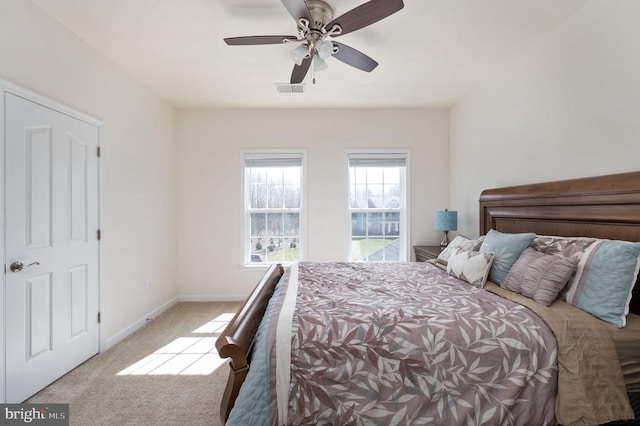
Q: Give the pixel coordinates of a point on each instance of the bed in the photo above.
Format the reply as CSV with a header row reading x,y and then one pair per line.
x,y
537,375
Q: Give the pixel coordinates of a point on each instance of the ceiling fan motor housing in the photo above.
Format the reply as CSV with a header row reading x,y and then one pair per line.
x,y
321,13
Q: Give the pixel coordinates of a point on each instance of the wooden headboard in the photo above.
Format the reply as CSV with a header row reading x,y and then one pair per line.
x,y
600,207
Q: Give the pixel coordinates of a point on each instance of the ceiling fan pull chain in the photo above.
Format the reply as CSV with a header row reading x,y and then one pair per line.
x,y
313,69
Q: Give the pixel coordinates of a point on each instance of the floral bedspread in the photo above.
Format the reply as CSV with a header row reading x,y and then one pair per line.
x,y
404,343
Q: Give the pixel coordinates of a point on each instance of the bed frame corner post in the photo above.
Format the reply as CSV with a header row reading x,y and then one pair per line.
x,y
235,380
236,340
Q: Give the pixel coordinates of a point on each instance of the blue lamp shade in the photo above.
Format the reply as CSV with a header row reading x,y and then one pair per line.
x,y
446,220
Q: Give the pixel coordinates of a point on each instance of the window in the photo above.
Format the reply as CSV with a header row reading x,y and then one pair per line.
x,y
273,200
378,206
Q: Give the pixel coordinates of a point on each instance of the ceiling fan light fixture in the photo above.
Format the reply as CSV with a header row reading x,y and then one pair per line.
x,y
325,49
299,53
319,64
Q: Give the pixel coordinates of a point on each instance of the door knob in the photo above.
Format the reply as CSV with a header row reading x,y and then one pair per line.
x,y
19,266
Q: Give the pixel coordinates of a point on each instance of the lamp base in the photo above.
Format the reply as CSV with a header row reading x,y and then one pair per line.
x,y
445,241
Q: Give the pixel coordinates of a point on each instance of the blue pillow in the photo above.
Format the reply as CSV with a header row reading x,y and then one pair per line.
x,y
507,249
604,282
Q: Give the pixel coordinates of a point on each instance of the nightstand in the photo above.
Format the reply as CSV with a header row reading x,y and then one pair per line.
x,y
424,253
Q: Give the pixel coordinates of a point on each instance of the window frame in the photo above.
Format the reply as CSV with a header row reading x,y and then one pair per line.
x,y
405,211
245,245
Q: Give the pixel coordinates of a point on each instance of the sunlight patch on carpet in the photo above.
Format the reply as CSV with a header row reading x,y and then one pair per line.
x,y
185,356
216,325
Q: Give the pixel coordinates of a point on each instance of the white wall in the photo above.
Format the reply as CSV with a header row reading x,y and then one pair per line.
x,y
567,108
138,156
209,215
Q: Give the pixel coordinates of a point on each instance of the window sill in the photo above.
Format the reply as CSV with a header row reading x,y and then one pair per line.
x,y
264,265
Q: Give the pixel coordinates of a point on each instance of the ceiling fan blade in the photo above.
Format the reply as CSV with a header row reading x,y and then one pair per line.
x,y
300,71
298,9
353,57
365,14
253,40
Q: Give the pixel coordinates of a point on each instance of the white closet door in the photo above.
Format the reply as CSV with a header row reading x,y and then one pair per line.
x,y
52,252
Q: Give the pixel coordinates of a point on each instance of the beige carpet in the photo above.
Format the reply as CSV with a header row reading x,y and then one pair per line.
x,y
165,374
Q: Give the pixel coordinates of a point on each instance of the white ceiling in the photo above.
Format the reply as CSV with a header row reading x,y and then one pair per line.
x,y
431,53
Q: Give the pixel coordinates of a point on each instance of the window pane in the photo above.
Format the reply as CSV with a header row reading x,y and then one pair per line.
x,y
275,197
390,252
292,225
257,250
292,196
274,224
374,196
258,224
374,175
391,175
292,175
258,196
377,182
273,182
375,249
273,254
359,196
374,224
358,224
290,250
392,224
358,249
392,195
257,175
274,175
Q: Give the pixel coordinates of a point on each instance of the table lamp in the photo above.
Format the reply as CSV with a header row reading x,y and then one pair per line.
x,y
446,221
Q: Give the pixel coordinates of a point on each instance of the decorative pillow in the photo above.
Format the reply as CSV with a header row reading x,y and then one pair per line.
x,y
573,247
471,266
563,246
540,276
600,286
459,243
507,249
604,280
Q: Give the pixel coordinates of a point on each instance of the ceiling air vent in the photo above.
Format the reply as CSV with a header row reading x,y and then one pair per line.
x,y
290,88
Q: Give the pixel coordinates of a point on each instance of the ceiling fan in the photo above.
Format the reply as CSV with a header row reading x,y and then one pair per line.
x,y
316,30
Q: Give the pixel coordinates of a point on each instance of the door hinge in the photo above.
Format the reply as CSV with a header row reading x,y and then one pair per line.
x,y
98,234
99,317
98,152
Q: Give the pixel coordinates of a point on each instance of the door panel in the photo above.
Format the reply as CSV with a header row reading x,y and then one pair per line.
x,y
78,289
51,218
78,190
39,324
38,186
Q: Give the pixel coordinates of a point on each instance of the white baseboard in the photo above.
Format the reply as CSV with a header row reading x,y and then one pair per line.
x,y
137,325
153,314
211,298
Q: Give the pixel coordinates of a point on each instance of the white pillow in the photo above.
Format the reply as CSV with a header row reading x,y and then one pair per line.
x,y
471,266
459,243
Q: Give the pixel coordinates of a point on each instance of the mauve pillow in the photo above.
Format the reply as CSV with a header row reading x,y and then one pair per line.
x,y
540,276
